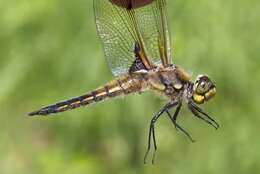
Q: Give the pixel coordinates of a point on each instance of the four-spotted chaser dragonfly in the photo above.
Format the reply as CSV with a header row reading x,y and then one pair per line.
x,y
136,42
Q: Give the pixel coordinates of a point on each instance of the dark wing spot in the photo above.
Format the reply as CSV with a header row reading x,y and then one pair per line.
x,y
131,4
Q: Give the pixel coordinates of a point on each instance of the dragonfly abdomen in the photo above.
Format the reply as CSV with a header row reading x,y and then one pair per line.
x,y
118,87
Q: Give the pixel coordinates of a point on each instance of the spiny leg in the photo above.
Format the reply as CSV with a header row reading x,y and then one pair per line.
x,y
175,115
174,120
152,135
178,126
154,143
205,114
152,131
197,111
202,118
149,144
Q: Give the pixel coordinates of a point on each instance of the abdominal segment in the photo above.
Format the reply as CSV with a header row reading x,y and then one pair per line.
x,y
122,86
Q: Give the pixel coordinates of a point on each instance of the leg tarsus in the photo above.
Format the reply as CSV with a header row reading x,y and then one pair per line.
x,y
149,143
155,146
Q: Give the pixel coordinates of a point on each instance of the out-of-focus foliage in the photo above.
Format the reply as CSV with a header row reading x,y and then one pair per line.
x,y
49,51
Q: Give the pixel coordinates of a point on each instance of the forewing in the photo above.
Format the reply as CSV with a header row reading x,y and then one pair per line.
x,y
154,28
163,34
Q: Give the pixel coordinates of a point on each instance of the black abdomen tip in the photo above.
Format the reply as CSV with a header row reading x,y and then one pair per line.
x,y
43,111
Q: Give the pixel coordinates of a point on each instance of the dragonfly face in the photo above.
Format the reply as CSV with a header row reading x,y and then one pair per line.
x,y
136,42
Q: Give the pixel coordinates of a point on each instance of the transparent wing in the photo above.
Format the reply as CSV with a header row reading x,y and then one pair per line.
x,y
163,41
123,23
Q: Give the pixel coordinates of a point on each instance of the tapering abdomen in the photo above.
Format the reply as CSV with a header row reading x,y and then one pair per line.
x,y
118,87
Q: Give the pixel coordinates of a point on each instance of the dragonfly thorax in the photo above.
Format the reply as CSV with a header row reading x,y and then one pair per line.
x,y
170,81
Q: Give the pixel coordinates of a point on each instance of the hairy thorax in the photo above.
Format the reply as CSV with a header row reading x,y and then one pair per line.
x,y
169,81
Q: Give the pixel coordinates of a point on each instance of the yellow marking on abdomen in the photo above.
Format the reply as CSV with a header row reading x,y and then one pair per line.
x,y
63,107
88,99
114,89
102,93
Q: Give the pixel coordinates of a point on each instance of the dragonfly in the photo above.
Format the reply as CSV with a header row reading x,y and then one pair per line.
x,y
136,42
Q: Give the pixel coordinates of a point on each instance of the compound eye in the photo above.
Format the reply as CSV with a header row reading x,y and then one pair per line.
x,y
203,85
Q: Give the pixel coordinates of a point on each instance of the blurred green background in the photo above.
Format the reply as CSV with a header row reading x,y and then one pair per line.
x,y
49,51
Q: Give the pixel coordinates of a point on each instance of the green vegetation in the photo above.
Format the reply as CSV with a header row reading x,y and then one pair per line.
x,y
49,51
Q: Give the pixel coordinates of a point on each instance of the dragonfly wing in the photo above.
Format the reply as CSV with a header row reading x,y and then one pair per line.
x,y
123,24
152,22
162,33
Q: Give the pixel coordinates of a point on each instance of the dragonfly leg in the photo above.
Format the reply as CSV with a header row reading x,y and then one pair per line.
x,y
177,126
151,136
198,112
175,115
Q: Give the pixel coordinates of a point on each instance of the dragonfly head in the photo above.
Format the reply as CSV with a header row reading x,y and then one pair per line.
x,y
203,89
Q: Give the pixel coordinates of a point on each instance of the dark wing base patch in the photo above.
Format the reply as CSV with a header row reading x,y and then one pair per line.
x,y
131,4
137,64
